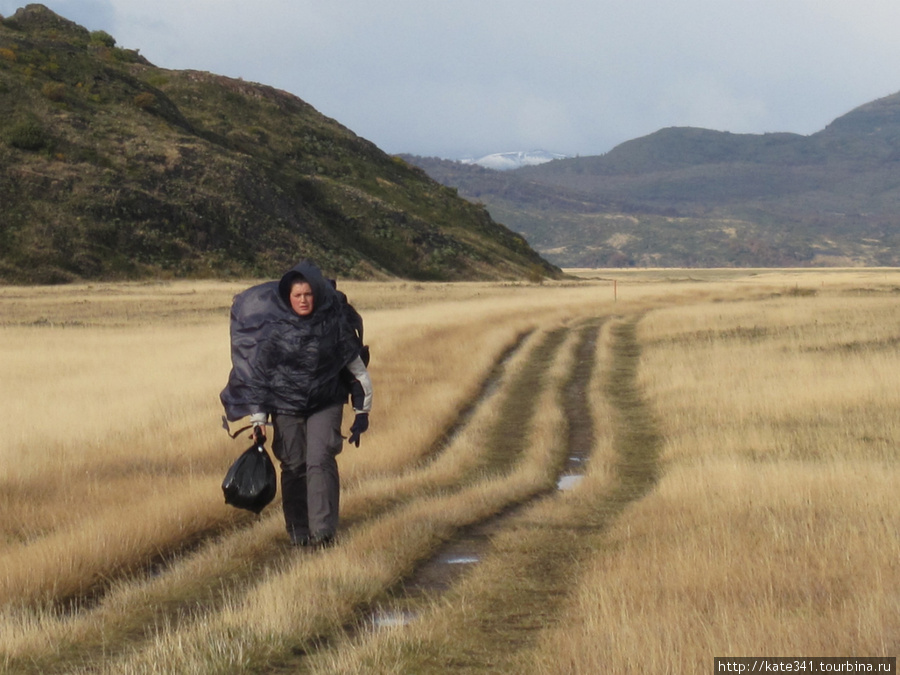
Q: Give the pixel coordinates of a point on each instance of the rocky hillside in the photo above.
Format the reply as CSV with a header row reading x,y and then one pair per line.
x,y
113,168
696,197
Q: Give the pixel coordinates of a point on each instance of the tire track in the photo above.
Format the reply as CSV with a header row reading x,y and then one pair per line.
x,y
487,387
638,441
438,574
509,435
551,556
554,555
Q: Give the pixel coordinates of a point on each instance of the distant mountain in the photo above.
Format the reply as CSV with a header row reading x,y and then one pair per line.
x,y
113,168
504,161
695,197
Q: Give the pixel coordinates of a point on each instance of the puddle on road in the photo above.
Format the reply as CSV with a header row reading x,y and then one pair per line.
x,y
461,560
569,481
389,618
572,473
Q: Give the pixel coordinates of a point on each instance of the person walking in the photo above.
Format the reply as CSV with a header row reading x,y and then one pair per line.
x,y
306,363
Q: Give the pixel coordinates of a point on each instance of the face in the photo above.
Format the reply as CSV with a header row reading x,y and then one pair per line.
x,y
302,298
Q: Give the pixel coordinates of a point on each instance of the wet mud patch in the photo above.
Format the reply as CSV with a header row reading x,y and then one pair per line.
x,y
576,404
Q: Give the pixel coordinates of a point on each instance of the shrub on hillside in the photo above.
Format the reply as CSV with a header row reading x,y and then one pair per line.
x,y
126,55
27,135
144,100
101,37
55,91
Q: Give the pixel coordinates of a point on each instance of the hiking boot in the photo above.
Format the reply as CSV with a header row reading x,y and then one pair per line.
x,y
322,541
299,537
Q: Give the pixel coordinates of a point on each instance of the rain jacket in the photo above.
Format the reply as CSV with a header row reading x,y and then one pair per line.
x,y
283,362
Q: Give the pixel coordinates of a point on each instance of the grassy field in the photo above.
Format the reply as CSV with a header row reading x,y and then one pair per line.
x,y
729,436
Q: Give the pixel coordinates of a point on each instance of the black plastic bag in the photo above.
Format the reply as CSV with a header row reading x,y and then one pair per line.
x,y
250,482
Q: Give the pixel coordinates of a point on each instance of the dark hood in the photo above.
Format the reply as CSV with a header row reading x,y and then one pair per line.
x,y
324,293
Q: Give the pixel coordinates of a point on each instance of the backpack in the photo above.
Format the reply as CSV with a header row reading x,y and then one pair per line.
x,y
355,321
252,311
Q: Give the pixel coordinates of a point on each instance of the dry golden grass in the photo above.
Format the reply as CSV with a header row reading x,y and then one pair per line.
x,y
788,377
125,417
731,559
772,530
769,530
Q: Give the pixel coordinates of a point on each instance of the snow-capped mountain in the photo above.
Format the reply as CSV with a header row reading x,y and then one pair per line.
x,y
503,161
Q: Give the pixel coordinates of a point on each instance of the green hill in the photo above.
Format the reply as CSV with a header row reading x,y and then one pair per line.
x,y
695,197
113,168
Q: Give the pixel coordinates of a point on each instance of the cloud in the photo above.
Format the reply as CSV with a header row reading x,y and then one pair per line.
x,y
576,76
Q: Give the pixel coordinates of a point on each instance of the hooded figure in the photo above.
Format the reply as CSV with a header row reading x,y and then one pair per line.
x,y
296,358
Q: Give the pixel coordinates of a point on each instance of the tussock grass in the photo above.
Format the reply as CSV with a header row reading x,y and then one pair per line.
x,y
771,529
777,379
128,430
731,558
96,483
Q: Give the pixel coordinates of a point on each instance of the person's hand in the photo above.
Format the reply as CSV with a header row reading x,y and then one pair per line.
x,y
359,426
259,427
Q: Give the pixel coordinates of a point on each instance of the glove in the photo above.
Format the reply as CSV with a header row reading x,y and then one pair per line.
x,y
360,425
259,427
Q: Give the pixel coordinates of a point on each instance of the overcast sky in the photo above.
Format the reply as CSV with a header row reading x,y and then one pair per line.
x,y
465,78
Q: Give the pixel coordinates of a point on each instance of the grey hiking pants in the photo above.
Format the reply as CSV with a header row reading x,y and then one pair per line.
x,y
307,448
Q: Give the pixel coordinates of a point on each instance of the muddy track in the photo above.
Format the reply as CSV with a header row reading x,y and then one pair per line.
x,y
437,575
210,593
508,437
555,554
543,560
